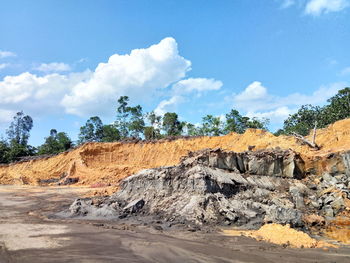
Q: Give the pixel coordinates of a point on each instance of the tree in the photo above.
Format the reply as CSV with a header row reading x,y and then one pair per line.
x,y
122,115
17,150
55,143
136,123
4,149
171,125
191,129
211,126
255,123
19,130
152,132
110,133
129,119
92,131
338,108
304,120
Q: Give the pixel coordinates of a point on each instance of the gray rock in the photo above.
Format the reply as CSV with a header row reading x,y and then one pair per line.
x,y
212,187
328,211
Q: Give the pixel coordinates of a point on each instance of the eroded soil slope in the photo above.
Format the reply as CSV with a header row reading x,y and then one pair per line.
x,y
108,163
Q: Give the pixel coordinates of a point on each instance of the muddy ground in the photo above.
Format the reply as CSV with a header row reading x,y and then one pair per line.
x,y
29,233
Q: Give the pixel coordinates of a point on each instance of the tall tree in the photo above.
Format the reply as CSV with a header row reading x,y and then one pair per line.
x,y
110,133
338,108
235,122
303,120
211,126
136,123
55,143
4,149
171,125
152,132
122,116
19,130
92,131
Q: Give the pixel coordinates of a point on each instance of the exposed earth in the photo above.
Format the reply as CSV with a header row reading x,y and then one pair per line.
x,y
30,232
201,199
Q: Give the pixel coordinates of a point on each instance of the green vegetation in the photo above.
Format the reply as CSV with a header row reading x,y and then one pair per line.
x,y
131,122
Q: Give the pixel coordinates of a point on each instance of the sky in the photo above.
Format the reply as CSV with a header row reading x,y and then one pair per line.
x,y
63,61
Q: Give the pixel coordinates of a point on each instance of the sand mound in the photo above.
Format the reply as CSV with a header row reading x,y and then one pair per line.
x,y
281,235
108,163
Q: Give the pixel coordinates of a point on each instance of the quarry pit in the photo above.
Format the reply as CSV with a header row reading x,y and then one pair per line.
x,y
190,191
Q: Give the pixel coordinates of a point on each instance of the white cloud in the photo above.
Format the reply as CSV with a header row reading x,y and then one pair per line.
x,y
53,67
5,54
6,115
138,75
196,84
254,91
287,3
256,101
277,115
4,65
318,7
142,75
183,88
168,105
36,95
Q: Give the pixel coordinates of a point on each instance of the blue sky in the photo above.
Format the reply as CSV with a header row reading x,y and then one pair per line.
x,y
64,61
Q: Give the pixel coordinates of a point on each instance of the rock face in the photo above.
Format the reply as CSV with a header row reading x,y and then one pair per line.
x,y
212,187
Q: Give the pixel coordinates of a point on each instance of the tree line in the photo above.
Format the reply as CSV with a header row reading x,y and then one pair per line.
x,y
131,122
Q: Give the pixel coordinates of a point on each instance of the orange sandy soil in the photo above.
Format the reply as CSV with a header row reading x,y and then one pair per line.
x,y
102,164
280,235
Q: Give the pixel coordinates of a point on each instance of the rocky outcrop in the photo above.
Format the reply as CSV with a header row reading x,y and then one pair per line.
x,y
211,187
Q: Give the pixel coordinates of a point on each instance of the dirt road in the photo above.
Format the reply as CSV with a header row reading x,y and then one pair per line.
x,y
29,233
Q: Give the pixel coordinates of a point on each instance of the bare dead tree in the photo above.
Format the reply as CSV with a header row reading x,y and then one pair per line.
x,y
311,144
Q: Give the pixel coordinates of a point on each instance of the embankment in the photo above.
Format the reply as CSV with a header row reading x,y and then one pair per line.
x,y
108,163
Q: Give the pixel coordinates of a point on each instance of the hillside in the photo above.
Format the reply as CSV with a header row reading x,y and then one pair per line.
x,y
108,163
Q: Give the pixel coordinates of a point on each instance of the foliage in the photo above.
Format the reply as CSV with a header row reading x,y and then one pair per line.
x,y
95,131
171,125
55,143
338,108
110,133
235,122
130,121
92,131
4,149
153,132
19,130
211,126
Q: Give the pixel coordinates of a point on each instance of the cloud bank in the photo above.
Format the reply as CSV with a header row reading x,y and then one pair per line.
x,y
257,101
142,75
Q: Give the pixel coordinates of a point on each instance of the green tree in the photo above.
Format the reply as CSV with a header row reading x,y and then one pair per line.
x,y
338,108
55,143
136,123
152,132
122,116
19,130
4,149
17,151
255,123
235,122
110,133
191,129
92,131
171,125
304,120
211,126
130,121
